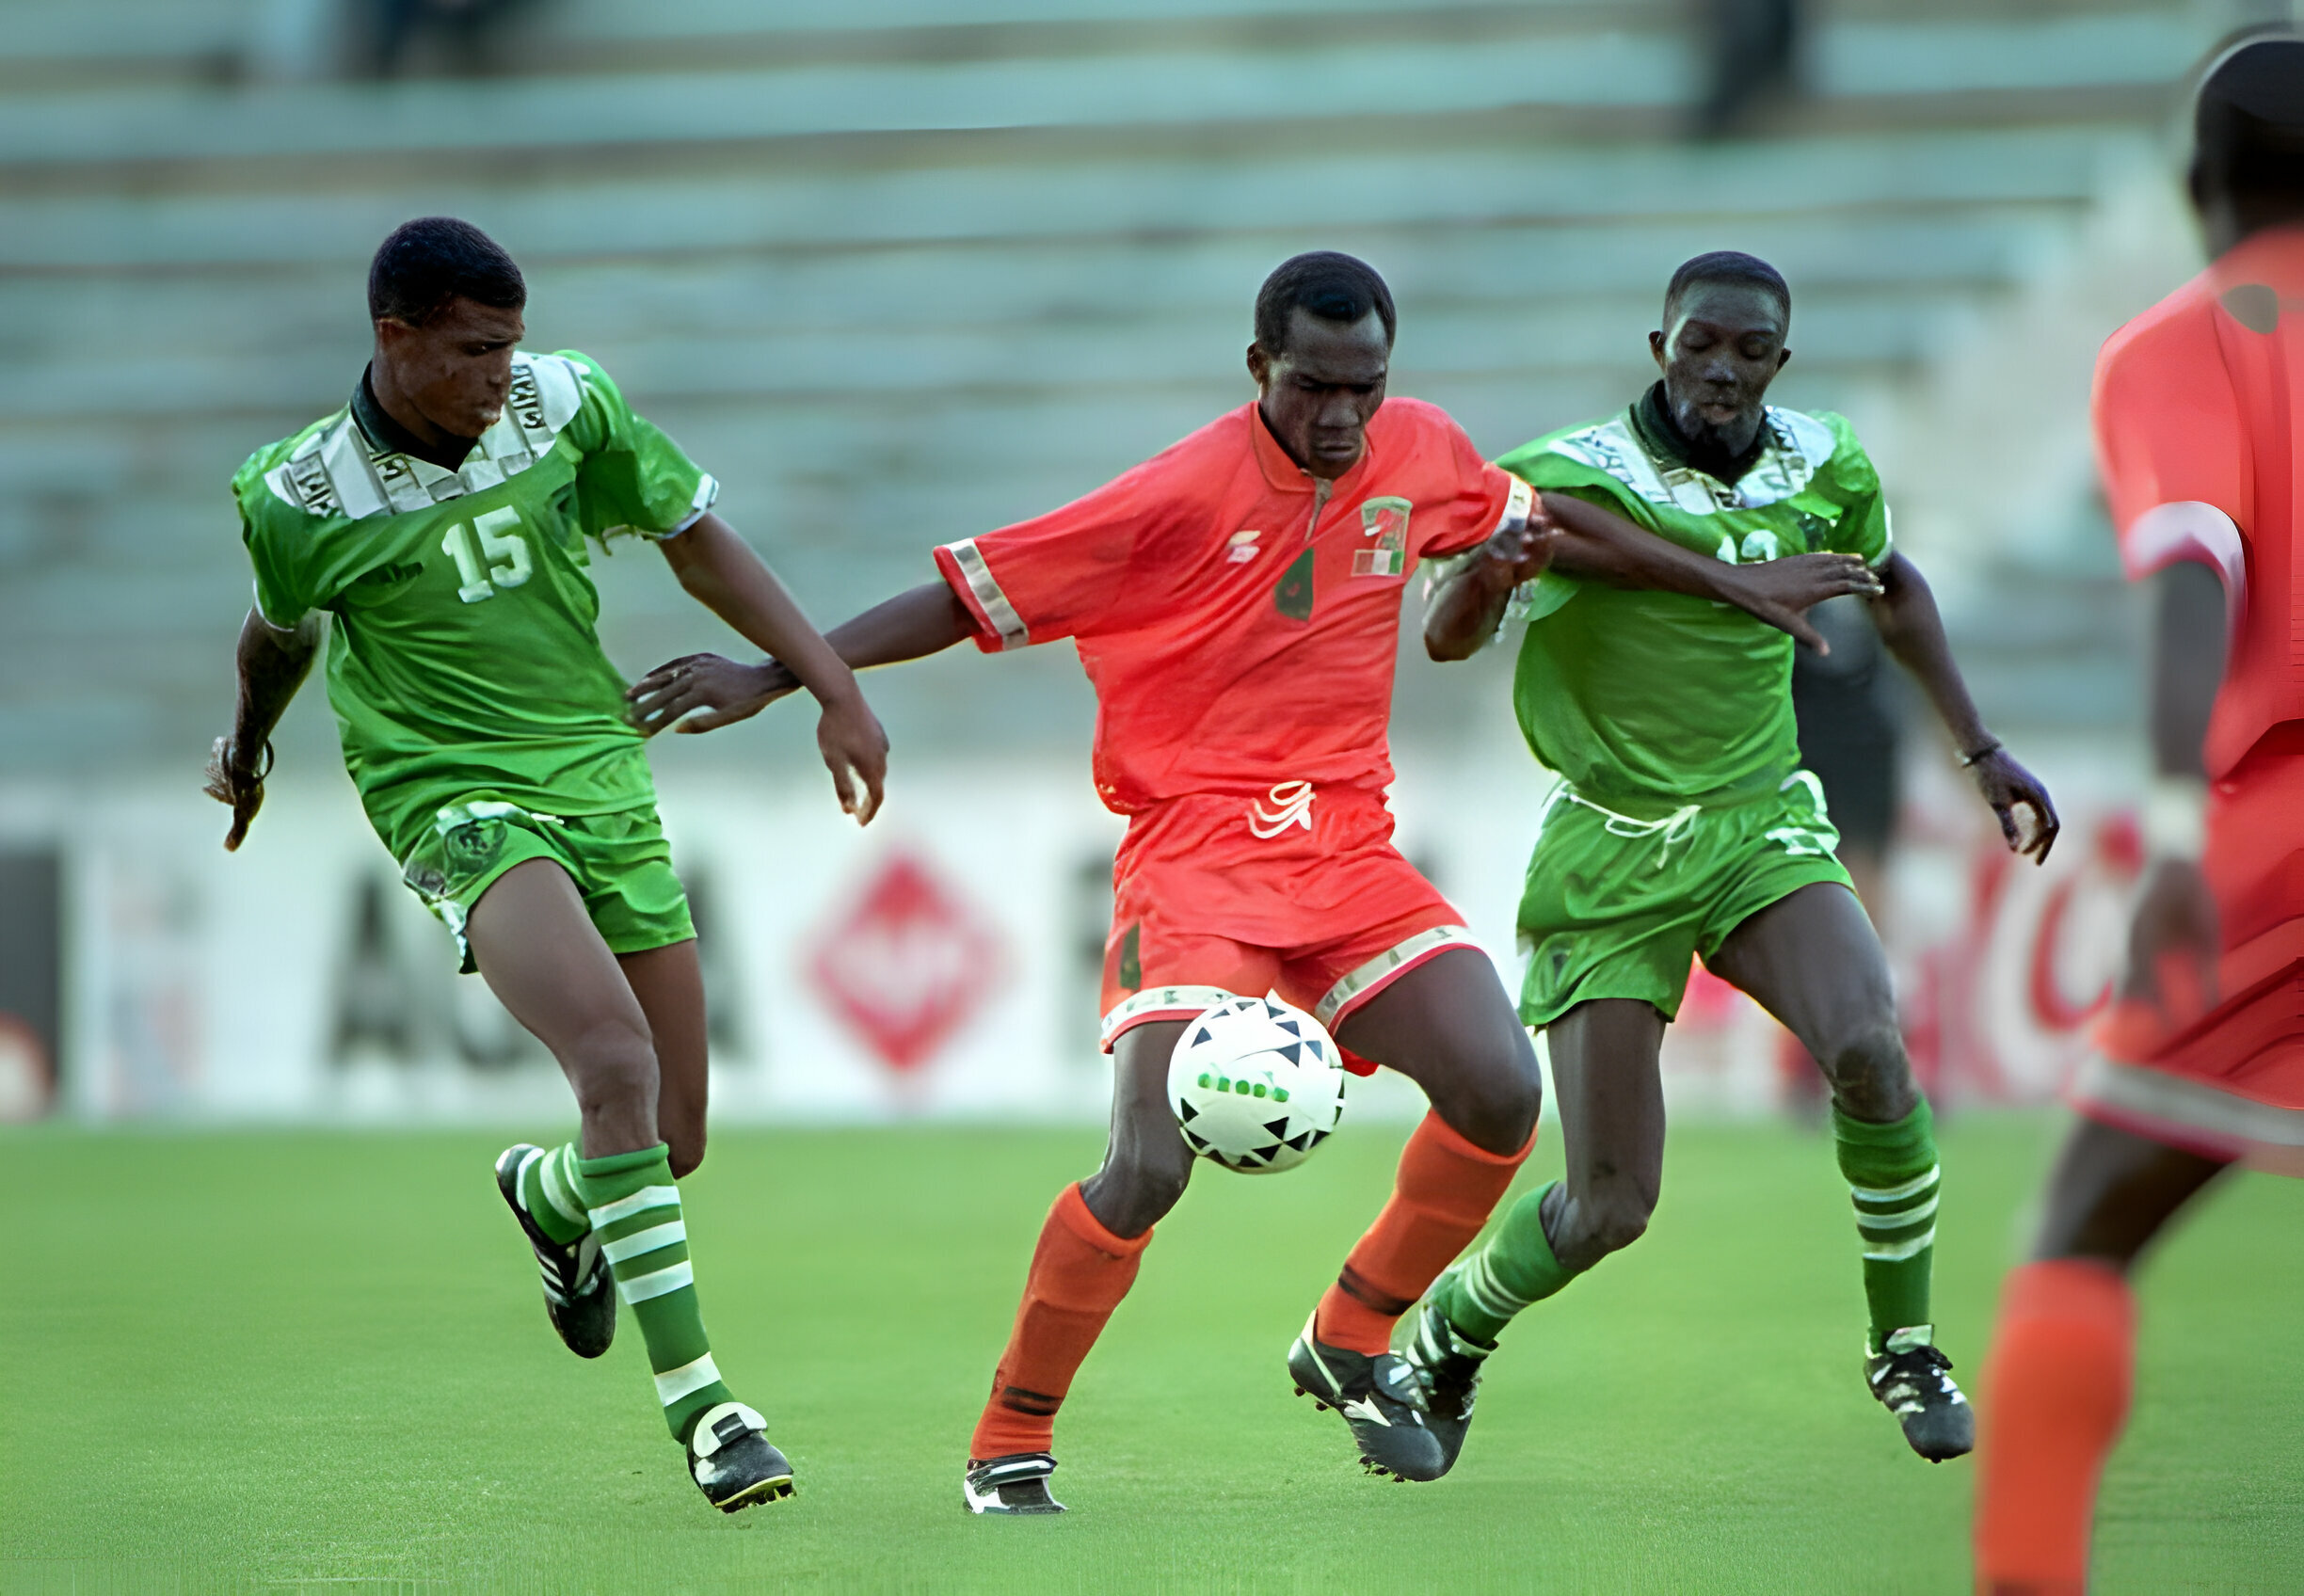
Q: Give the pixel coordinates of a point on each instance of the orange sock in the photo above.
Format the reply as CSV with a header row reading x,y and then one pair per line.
x,y
1079,1272
1442,1195
2055,1392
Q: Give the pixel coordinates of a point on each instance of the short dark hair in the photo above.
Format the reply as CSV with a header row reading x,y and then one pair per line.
x,y
432,259
1727,265
1333,287
2249,121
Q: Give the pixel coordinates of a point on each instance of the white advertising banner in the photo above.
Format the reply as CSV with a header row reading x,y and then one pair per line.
x,y
942,962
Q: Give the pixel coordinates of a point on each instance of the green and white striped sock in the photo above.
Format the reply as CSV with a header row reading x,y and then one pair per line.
x,y
1893,1178
636,1209
1515,1270
548,1191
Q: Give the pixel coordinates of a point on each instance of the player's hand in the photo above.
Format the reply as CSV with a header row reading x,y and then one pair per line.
x,y
704,693
238,783
2005,785
1523,553
856,751
2174,939
1781,592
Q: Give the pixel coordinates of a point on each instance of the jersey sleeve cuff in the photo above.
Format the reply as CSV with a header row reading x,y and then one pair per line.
x,y
2187,529
707,495
998,625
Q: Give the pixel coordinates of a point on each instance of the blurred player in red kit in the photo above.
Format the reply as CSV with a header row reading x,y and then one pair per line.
x,y
2200,415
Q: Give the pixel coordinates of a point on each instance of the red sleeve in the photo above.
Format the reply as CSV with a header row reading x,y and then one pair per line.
x,y
1063,574
1480,499
2171,445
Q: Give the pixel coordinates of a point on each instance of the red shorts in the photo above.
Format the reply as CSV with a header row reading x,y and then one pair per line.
x,y
1299,892
2229,1083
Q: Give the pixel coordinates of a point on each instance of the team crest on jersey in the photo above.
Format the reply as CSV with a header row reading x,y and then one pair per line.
x,y
1386,520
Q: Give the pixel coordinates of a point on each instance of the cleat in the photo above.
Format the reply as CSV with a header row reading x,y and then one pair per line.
x,y
732,1461
1017,1483
1912,1381
1447,1363
578,1293
1378,1398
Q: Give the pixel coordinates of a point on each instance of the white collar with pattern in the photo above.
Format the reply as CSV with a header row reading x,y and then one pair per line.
x,y
1798,447
339,470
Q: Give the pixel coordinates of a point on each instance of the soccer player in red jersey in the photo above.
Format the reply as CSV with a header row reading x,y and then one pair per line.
x,y
2200,432
1236,602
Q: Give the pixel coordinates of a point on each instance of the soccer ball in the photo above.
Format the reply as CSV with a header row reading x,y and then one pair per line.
x,y
1256,1085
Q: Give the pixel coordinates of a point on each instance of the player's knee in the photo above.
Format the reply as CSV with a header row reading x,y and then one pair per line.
x,y
1871,1076
1496,1106
612,1064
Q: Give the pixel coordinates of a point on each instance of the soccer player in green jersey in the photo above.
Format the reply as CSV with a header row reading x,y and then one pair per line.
x,y
438,522
1682,826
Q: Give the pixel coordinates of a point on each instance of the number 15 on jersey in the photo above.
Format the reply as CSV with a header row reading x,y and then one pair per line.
x,y
490,553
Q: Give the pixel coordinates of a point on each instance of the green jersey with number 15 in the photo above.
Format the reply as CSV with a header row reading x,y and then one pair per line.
x,y
1646,701
464,660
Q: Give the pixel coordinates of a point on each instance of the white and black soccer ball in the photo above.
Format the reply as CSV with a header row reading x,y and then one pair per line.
x,y
1256,1085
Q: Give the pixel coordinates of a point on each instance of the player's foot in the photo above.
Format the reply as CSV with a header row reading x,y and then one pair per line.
x,y
1912,1381
732,1461
1378,1398
1017,1483
579,1295
1448,1366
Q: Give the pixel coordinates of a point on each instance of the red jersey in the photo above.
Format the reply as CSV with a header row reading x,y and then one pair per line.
x,y
1239,617
2199,424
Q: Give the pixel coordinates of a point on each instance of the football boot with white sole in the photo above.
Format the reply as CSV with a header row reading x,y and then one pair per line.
x,y
579,1294
1378,1398
1017,1483
732,1461
1913,1380
1448,1366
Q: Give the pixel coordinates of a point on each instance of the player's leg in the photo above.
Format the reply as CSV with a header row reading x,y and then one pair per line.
x,y
669,984
1083,1264
535,945
1446,1024
1812,959
2063,1353
1606,1073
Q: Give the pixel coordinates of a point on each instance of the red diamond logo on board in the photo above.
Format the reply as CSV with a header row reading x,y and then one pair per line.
x,y
909,964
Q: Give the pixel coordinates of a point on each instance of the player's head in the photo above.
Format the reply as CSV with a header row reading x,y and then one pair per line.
x,y
2247,161
446,301
1323,343
1725,319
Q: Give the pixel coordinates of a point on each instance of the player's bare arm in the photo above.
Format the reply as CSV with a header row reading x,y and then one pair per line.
x,y
1598,545
1906,613
721,572
272,664
705,691
2176,936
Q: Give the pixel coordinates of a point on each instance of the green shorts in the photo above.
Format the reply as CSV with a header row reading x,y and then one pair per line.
x,y
1616,906
620,863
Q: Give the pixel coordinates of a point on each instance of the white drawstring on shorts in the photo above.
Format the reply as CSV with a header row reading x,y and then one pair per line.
x,y
1674,827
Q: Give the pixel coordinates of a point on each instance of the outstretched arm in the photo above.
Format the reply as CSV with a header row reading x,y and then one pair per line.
x,y
272,664
721,572
704,692
1913,631
1600,546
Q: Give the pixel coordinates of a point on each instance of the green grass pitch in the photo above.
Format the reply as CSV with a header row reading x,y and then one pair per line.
x,y
266,1361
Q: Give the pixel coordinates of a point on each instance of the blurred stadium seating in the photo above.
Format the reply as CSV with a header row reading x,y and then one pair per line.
x,y
898,270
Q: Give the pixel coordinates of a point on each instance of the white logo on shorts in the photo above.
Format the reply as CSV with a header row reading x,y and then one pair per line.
x,y
1291,804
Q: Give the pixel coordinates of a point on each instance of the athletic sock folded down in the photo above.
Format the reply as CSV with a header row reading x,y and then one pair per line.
x,y
635,1208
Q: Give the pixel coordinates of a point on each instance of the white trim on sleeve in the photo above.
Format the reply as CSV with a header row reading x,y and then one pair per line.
x,y
2189,529
986,589
1516,506
707,495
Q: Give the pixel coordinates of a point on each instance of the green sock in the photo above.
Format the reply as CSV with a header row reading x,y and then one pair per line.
x,y
636,1209
1893,1176
548,1191
1513,1270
